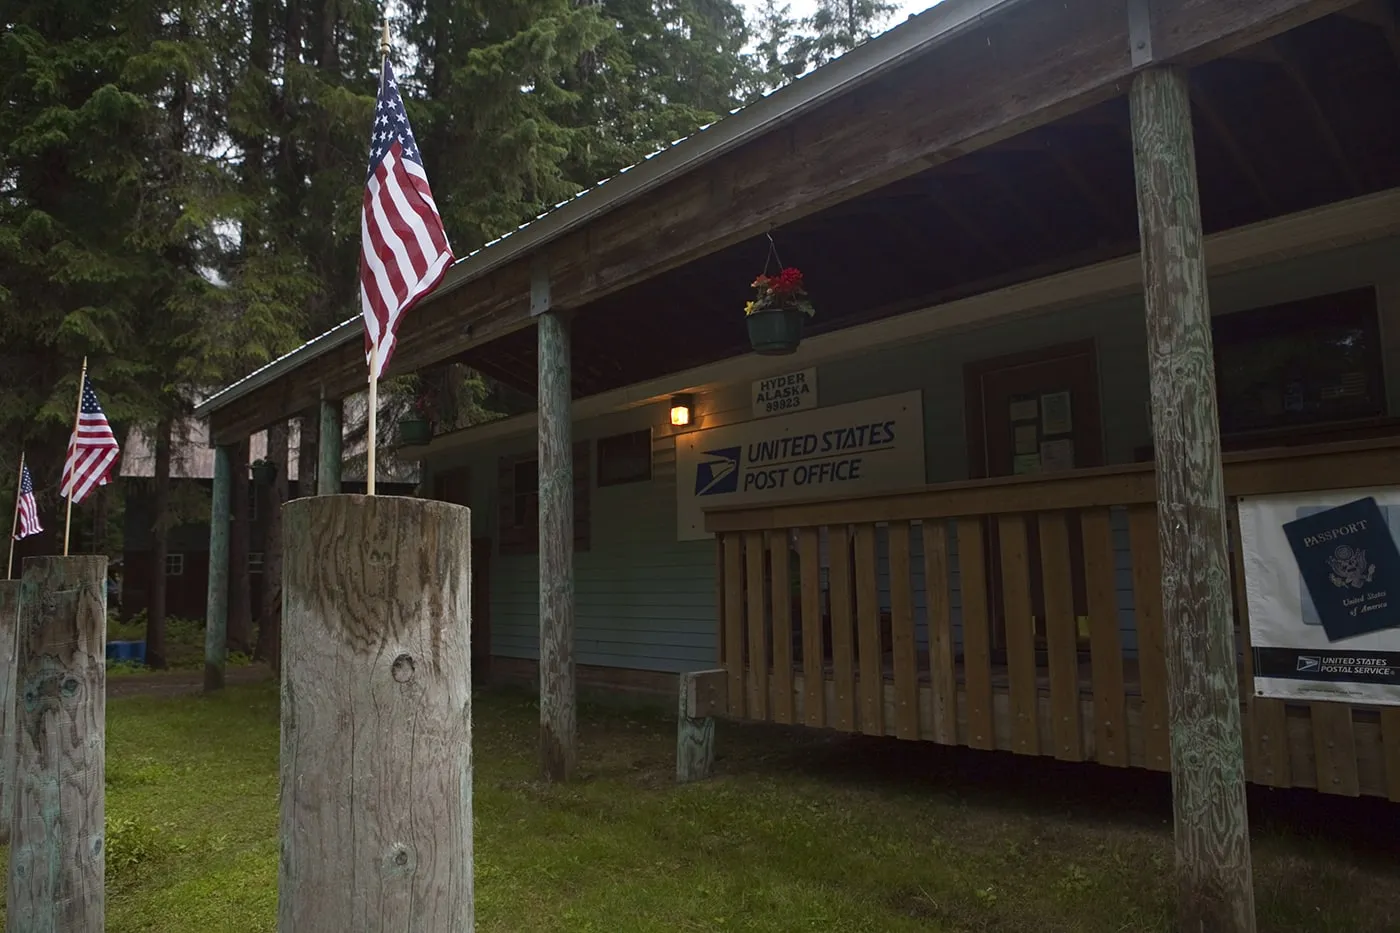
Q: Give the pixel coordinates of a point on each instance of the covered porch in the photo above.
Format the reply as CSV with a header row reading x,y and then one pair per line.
x,y
1020,614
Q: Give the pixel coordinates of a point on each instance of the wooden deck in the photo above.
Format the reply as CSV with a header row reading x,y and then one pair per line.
x,y
990,676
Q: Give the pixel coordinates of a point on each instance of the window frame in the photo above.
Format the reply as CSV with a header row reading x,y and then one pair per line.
x,y
623,479
177,560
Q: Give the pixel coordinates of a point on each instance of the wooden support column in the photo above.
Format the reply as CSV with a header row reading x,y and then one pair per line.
x,y
328,468
9,627
376,750
57,855
1214,877
558,717
695,736
216,608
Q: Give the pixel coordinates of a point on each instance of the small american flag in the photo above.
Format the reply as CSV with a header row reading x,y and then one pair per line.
x,y
26,509
93,450
403,248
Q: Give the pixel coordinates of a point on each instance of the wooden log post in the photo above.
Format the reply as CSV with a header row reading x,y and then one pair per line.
x,y
376,762
9,629
57,853
329,460
558,716
1214,877
216,607
695,738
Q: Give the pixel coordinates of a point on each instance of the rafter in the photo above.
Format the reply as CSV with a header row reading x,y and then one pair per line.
x,y
1382,15
1091,193
1289,60
969,227
1204,102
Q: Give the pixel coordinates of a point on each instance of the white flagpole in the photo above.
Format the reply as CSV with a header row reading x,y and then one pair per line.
x,y
14,524
72,484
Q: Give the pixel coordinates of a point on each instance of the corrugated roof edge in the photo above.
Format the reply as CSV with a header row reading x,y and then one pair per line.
x,y
862,64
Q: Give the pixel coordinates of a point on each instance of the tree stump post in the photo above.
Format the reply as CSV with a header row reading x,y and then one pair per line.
x,y
558,714
376,761
328,450
216,608
9,644
695,735
57,855
1214,876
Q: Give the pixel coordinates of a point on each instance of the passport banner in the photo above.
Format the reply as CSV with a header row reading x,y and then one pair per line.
x,y
1322,575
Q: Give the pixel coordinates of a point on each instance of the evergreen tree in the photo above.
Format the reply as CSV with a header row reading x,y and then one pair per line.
x,y
835,28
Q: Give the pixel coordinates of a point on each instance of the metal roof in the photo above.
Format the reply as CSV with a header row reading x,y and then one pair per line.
x,y
862,64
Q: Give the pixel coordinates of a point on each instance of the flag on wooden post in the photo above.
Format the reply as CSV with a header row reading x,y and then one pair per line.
x,y
403,248
92,450
26,509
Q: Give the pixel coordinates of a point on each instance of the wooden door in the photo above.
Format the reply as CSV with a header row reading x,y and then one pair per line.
x,y
1028,414
481,610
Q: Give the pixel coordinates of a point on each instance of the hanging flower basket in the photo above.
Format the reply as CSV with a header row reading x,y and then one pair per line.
x,y
264,472
776,315
414,432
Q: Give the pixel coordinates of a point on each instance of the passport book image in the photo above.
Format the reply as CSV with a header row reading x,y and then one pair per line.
x,y
1350,567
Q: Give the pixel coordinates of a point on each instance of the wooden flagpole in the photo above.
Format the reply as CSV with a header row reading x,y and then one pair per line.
x,y
14,523
77,417
372,436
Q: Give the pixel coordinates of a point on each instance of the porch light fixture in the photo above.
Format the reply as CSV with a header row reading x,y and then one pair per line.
x,y
682,410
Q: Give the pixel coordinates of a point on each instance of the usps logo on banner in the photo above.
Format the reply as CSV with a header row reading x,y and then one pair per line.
x,y
1322,576
846,450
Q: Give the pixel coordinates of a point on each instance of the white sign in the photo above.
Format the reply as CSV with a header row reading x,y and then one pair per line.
x,y
785,394
846,450
1322,573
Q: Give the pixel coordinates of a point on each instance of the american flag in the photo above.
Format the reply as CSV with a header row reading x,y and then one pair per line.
x,y
403,248
93,450
26,508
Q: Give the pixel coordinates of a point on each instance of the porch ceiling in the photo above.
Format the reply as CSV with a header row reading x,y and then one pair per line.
x,y
1296,122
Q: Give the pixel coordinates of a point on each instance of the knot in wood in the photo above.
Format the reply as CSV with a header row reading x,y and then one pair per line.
x,y
403,668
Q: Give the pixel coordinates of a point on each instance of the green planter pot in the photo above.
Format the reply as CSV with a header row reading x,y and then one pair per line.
x,y
264,473
776,332
414,432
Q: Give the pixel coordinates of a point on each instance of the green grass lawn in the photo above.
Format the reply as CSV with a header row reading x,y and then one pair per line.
x,y
797,831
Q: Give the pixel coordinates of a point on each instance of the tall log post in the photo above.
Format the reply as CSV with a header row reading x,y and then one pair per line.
x,y
1214,878
558,716
57,856
329,459
216,608
376,763
9,629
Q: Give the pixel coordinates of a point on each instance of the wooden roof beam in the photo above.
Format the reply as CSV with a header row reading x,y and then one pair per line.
x,y
1112,219
1204,102
1289,59
1382,15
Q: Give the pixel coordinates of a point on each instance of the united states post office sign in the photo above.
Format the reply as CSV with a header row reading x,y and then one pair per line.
x,y
846,450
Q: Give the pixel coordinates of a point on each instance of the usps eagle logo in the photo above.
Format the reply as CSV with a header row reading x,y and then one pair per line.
x,y
1350,568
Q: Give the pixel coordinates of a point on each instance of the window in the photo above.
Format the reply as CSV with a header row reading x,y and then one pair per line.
x,y
624,458
255,561
1307,362
525,497
174,565
518,502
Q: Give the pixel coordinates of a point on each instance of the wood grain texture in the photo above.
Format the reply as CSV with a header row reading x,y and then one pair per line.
x,y
872,656
1147,613
1334,748
57,850
905,646
734,620
376,748
781,557
977,635
1105,641
9,631
943,677
1061,636
1020,634
843,711
1390,751
216,608
754,626
695,734
1214,871
328,450
813,648
558,712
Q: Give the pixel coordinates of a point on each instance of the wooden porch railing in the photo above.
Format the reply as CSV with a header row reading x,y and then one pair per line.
x,y
1021,614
